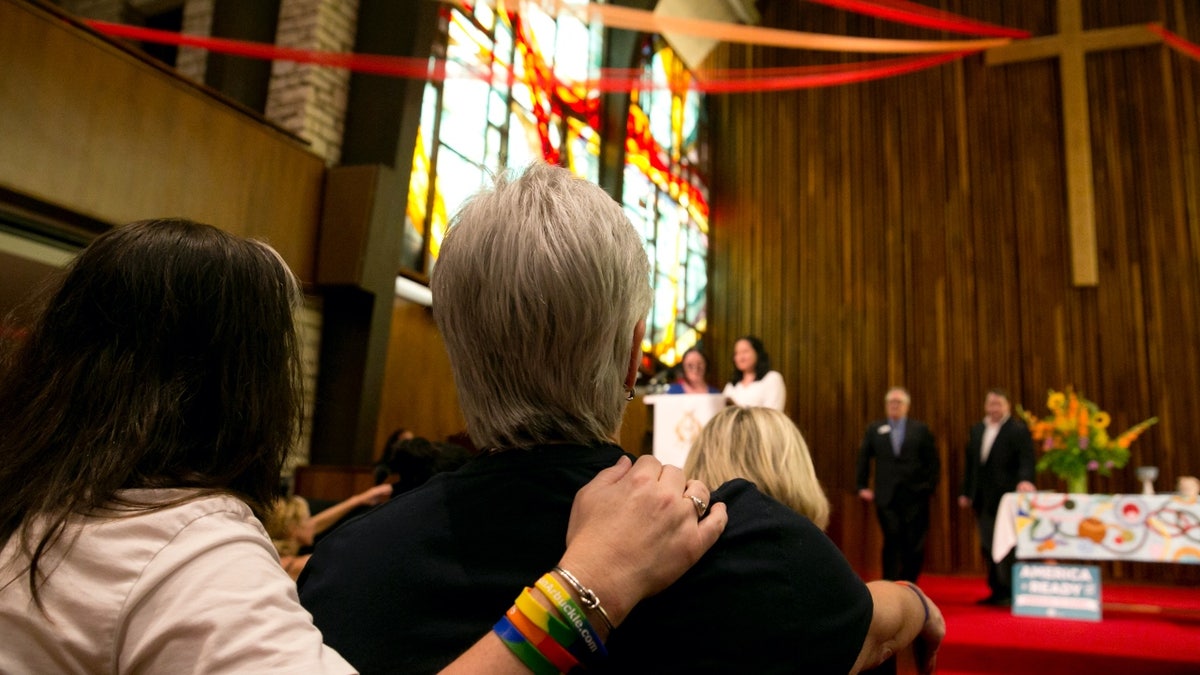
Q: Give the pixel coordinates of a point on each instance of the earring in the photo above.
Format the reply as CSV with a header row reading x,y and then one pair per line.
x,y
629,394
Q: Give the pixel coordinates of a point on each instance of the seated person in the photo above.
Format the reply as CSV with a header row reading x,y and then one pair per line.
x,y
541,292
763,446
693,375
413,460
294,529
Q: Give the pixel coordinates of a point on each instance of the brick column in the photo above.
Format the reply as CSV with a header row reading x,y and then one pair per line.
x,y
307,100
101,10
197,20
309,318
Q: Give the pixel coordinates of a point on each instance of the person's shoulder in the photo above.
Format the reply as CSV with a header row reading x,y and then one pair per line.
x,y
778,590
675,388
175,509
752,512
1014,422
773,375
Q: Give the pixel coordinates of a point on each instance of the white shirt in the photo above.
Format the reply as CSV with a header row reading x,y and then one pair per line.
x,y
990,431
191,588
769,392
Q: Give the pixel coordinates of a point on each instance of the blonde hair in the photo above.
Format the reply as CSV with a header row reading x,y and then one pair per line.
x,y
763,446
288,514
537,290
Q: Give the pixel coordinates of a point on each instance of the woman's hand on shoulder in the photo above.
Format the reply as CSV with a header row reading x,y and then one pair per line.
x,y
636,528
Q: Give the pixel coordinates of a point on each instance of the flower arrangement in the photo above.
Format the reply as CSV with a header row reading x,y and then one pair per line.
x,y
1074,439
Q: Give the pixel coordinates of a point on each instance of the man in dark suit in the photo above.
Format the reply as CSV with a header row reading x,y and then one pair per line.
x,y
906,472
999,460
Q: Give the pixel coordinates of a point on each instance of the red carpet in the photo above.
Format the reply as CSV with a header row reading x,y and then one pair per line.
x,y
1146,630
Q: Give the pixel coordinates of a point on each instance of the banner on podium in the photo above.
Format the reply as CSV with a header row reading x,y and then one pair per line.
x,y
678,419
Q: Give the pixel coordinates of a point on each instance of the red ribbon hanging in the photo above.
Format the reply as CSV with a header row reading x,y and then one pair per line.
x,y
1175,42
913,14
611,80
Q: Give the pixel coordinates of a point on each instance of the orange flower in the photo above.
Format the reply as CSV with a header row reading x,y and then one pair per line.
x,y
1074,440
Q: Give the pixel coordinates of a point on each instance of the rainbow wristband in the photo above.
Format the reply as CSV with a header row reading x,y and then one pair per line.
x,y
573,613
555,653
920,595
517,644
550,624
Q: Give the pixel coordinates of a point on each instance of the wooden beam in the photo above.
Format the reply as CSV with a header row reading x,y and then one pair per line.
x,y
1071,46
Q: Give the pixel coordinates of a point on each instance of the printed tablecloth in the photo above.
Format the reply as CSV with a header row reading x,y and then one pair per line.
x,y
1153,528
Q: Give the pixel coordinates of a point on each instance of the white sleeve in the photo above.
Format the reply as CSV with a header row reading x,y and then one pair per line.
x,y
216,600
774,392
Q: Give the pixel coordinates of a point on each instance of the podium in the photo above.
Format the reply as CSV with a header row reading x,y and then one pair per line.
x,y
678,419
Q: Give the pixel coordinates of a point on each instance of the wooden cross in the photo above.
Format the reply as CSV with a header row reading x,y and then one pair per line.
x,y
1070,45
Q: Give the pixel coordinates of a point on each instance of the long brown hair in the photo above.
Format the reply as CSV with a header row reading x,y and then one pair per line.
x,y
166,358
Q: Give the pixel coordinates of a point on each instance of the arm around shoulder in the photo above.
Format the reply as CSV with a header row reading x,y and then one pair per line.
x,y
903,615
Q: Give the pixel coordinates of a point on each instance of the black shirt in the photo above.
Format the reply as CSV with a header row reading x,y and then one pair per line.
x,y
414,583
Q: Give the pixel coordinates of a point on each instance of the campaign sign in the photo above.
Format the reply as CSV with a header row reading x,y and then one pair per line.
x,y
1056,591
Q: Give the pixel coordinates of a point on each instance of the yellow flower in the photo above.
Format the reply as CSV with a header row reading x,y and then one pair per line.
x,y
1073,440
1055,401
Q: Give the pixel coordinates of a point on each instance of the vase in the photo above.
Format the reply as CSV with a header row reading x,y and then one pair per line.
x,y
1077,484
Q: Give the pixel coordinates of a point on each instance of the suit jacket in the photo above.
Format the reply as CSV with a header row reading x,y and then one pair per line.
x,y
1009,462
912,474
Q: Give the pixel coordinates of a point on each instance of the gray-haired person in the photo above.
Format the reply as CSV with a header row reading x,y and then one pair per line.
x,y
540,292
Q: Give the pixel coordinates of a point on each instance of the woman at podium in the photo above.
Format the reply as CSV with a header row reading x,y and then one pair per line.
x,y
693,375
754,384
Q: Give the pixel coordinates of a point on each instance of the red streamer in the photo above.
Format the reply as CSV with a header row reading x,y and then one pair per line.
x,y
1175,42
396,66
613,80
849,74
913,14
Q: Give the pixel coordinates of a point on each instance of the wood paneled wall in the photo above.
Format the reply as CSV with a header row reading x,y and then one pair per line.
x,y
913,231
96,130
418,391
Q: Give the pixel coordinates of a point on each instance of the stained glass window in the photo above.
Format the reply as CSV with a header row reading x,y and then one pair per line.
x,y
666,195
533,100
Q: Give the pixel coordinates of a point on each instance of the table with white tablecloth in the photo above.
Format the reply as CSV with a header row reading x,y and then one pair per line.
x,y
1148,528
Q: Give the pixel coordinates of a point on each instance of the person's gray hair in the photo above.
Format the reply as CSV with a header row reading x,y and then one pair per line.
x,y
537,290
901,390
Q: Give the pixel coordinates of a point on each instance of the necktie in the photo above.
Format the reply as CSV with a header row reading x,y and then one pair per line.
x,y
897,438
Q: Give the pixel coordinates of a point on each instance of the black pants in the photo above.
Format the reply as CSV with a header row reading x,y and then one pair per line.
x,y
905,524
999,574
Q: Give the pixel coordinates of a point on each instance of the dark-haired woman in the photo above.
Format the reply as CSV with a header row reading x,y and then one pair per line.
x,y
145,420
693,375
754,384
